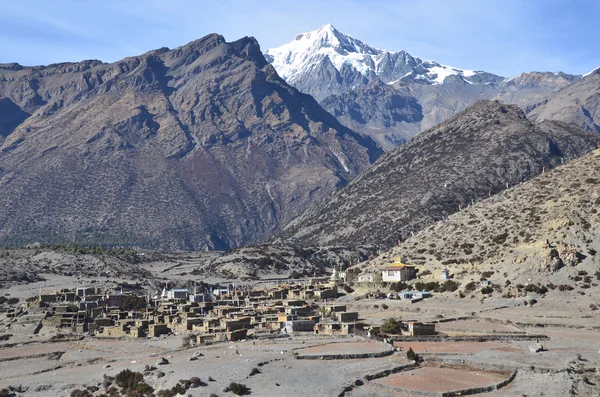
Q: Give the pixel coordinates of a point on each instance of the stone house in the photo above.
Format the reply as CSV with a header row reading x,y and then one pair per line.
x,y
398,272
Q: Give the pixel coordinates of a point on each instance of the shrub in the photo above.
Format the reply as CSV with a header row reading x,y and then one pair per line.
x,y
13,301
384,306
449,286
237,388
80,393
348,289
486,275
399,286
255,371
411,355
500,239
487,290
131,381
470,287
540,289
532,302
186,342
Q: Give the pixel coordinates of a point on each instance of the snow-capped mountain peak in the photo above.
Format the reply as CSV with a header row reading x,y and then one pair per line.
x,y
329,54
295,58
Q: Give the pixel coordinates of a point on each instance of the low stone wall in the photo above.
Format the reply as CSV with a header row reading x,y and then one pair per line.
x,y
52,355
388,372
378,375
468,338
343,356
485,389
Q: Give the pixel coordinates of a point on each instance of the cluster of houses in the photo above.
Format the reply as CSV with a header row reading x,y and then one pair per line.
x,y
221,314
218,314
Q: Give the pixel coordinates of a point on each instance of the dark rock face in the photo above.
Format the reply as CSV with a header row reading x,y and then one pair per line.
x,y
377,107
200,146
11,116
474,154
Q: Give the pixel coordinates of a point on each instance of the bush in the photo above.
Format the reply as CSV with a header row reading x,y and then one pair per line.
x,y
411,355
540,289
255,371
391,326
471,286
131,381
237,388
487,290
80,393
348,289
500,239
449,286
399,286
430,286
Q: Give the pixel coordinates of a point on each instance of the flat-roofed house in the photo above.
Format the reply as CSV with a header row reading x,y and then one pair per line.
x,y
398,271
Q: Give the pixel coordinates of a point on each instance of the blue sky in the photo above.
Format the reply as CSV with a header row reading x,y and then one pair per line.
x,y
505,37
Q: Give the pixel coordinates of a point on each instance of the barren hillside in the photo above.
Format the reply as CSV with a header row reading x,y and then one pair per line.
x,y
546,229
477,153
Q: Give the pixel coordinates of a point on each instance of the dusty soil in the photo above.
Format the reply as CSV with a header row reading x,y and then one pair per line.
x,y
446,379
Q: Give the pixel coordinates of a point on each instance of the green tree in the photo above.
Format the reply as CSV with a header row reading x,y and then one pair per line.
x,y
133,302
391,326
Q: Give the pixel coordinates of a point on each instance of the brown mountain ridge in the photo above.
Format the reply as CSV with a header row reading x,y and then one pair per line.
x,y
203,146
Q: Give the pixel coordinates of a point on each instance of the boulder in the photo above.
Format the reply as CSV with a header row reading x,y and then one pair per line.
x,y
162,361
535,348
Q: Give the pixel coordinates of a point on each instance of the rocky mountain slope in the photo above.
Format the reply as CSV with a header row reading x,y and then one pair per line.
x,y
546,229
577,103
203,146
377,110
476,153
339,71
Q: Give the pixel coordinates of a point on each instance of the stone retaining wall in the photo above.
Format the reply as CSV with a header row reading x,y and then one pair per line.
x,y
468,338
343,356
55,355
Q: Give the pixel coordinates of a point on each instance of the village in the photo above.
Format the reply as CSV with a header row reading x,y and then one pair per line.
x,y
218,314
352,333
